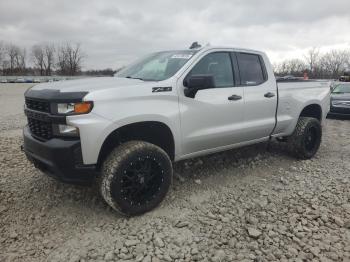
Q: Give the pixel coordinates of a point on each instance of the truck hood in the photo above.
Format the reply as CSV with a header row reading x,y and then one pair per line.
x,y
89,84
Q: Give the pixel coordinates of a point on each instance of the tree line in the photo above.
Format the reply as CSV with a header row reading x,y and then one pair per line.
x,y
317,64
48,59
45,59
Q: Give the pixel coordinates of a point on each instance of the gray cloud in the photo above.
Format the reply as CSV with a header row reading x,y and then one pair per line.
x,y
114,32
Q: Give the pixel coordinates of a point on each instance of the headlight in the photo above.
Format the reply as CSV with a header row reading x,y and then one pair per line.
x,y
65,108
74,108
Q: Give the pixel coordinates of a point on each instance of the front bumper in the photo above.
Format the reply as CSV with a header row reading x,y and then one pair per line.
x,y
59,158
339,111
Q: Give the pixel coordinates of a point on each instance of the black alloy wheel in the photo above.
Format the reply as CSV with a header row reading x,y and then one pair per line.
x,y
306,138
136,177
141,181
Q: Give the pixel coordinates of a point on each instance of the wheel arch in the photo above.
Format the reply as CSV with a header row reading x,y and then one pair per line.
x,y
154,132
312,110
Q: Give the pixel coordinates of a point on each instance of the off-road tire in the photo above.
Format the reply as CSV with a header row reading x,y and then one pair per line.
x,y
306,138
114,169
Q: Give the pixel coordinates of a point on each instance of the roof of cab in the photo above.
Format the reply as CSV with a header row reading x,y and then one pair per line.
x,y
205,48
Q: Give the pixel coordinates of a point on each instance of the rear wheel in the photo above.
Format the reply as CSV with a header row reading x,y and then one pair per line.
x,y
306,138
135,177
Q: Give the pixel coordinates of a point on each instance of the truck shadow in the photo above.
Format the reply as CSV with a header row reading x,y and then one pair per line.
x,y
229,160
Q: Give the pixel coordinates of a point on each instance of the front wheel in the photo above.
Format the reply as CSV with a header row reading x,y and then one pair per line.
x,y
306,138
135,177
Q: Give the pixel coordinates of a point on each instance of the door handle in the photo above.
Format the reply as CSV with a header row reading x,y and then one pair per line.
x,y
269,95
234,97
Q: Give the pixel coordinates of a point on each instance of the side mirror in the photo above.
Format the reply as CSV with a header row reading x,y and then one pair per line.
x,y
198,82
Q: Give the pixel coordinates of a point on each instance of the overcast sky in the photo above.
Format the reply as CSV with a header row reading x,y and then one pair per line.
x,y
113,33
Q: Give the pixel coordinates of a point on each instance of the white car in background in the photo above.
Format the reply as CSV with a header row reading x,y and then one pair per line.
x,y
20,80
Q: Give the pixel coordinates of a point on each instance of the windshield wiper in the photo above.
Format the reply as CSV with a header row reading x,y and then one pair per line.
x,y
139,78
142,79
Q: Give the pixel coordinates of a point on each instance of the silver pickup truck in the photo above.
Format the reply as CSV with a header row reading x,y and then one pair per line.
x,y
124,132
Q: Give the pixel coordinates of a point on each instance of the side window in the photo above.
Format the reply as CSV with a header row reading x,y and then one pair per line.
x,y
250,69
218,65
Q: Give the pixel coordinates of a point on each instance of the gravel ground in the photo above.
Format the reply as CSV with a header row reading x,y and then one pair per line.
x,y
241,205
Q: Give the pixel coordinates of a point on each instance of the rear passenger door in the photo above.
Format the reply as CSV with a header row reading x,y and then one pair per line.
x,y
260,95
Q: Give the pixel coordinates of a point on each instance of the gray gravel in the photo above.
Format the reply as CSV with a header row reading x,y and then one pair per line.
x,y
242,205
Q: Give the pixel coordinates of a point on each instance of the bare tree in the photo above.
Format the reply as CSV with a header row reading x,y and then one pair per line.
x,y
2,51
281,68
62,60
21,60
2,54
312,58
320,65
75,58
43,58
38,58
49,56
334,62
295,67
69,58
14,61
347,63
12,53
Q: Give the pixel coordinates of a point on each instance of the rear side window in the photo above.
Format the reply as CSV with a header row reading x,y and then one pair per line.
x,y
218,65
251,69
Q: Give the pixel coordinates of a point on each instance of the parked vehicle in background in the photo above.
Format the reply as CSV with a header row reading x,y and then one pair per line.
x,y
20,80
124,132
28,80
36,80
340,99
3,81
289,77
345,77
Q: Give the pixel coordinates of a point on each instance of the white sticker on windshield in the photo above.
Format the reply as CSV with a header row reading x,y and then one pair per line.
x,y
182,56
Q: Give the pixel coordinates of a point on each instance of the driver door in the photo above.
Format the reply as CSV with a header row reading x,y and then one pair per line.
x,y
213,118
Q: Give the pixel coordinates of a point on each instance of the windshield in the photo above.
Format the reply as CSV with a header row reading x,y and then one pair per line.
x,y
157,66
341,88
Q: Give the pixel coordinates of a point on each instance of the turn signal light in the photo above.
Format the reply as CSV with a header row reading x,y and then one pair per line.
x,y
82,107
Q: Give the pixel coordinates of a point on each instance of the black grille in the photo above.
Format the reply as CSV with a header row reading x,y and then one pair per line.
x,y
38,105
39,123
40,129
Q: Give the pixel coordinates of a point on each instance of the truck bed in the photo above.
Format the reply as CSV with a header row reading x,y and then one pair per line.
x,y
293,96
